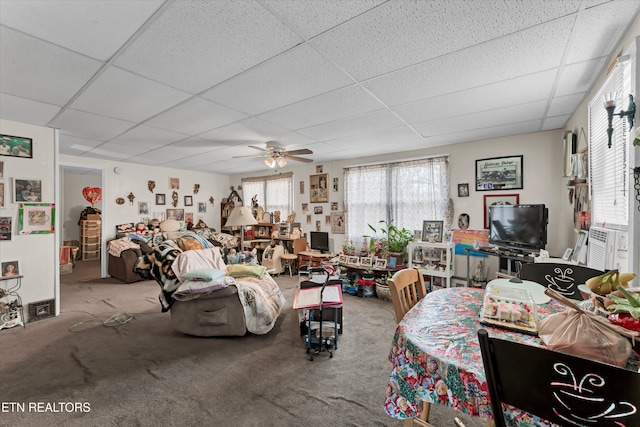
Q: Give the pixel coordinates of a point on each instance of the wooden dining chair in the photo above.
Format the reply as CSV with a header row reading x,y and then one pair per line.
x,y
562,278
560,388
407,288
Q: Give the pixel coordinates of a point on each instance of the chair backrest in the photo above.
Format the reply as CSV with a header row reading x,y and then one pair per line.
x,y
406,288
560,388
562,278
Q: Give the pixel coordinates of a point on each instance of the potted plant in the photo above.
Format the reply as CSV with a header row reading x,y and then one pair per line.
x,y
397,239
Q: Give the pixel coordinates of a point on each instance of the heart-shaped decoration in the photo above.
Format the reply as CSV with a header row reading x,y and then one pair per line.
x,y
92,194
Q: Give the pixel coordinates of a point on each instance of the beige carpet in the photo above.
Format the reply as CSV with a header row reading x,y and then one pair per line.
x,y
142,373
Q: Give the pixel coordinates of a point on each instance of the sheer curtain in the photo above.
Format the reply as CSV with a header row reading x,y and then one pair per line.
x,y
274,193
408,193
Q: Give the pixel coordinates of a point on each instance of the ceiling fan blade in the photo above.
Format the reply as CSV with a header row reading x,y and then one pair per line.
x,y
297,159
298,152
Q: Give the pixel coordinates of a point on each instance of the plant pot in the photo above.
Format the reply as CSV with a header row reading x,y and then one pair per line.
x,y
398,259
382,291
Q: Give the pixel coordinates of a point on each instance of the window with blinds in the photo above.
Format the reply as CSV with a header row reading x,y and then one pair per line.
x,y
609,167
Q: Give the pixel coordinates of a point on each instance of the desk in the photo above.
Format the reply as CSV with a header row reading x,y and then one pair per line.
x,y
313,259
436,356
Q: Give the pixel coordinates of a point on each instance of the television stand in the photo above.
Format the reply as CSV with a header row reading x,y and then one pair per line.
x,y
508,254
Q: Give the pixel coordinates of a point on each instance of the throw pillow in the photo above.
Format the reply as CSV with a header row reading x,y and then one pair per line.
x,y
169,225
204,274
242,270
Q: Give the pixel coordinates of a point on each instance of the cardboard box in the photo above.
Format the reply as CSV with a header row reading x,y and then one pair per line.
x,y
66,268
93,217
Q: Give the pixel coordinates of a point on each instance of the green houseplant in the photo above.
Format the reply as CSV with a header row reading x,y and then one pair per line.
x,y
397,238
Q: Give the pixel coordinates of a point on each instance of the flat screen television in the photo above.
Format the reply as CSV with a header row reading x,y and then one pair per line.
x,y
319,241
518,227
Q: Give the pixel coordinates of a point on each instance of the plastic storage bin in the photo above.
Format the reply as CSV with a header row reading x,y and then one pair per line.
x,y
509,308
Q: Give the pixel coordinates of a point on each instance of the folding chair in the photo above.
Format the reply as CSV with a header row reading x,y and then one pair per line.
x,y
560,388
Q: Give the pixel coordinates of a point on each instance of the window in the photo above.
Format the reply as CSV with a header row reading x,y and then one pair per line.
x,y
275,193
406,192
609,167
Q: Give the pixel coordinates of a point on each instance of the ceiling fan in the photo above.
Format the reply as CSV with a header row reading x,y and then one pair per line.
x,y
275,153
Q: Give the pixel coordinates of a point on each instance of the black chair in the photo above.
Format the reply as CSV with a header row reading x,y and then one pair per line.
x,y
562,278
560,388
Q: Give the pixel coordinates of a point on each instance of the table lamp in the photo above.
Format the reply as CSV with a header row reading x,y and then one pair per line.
x,y
239,217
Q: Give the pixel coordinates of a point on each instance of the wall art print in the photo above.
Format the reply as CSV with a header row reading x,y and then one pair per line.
x,y
36,218
499,173
16,146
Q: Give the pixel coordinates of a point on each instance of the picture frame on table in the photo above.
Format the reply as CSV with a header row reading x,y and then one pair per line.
x,y
432,231
366,261
353,260
499,173
16,146
463,190
495,200
580,249
27,190
380,263
343,259
567,254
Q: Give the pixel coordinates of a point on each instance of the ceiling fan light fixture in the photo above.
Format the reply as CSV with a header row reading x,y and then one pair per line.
x,y
270,161
282,162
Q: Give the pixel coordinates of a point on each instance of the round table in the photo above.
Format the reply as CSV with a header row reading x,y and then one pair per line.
x,y
289,262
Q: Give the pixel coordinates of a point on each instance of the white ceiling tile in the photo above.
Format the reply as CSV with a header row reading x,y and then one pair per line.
x,y
384,142
579,77
75,145
370,122
485,119
148,137
557,122
60,22
124,95
195,116
195,45
40,71
598,29
119,151
191,147
87,125
511,92
251,129
312,17
565,104
404,33
293,76
294,140
25,110
513,129
338,104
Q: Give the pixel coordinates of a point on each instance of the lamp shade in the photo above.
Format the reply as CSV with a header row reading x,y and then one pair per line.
x,y
240,216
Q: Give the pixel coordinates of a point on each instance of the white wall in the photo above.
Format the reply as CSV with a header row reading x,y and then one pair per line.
x,y
542,182
36,252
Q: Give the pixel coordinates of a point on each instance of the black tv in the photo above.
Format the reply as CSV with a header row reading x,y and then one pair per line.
x,y
319,241
518,227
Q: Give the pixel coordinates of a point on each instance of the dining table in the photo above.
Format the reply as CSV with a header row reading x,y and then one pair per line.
x,y
435,357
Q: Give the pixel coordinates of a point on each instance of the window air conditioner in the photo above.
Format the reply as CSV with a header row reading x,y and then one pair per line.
x,y
608,249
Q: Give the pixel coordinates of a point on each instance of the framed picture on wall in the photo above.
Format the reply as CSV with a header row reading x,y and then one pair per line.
x,y
188,200
27,190
318,186
16,146
161,199
36,218
499,173
495,200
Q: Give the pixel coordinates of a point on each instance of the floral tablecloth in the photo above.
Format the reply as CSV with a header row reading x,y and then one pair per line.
x,y
436,357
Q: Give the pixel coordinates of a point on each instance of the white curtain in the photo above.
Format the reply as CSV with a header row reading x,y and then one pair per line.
x,y
407,192
274,193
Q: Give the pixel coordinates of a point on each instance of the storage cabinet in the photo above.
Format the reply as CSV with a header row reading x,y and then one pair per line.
x,y
90,240
433,259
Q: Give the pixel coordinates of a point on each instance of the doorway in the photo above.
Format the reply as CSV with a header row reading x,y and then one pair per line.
x,y
89,260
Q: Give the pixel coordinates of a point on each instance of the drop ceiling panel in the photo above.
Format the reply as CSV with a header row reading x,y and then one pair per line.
x,y
148,137
76,145
370,122
25,110
123,95
512,92
486,133
579,77
119,151
334,105
563,105
380,142
528,52
293,76
557,122
41,71
401,34
312,17
195,116
87,125
61,22
196,45
247,130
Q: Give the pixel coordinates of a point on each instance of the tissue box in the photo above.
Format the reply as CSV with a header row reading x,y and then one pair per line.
x,y
509,308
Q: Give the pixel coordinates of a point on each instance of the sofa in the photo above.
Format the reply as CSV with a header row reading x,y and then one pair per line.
x,y
123,254
204,296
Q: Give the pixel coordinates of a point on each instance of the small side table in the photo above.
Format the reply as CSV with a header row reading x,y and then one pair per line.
x,y
289,261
